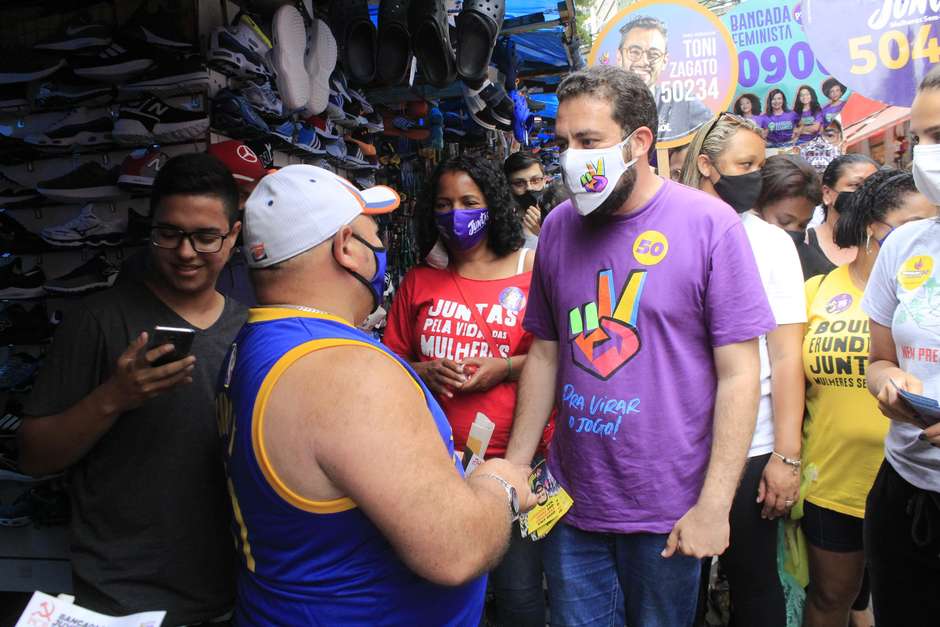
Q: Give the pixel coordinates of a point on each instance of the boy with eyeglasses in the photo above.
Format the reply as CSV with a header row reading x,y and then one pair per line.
x,y
526,178
150,515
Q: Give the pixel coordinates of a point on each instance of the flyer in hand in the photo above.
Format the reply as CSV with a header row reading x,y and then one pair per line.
x,y
553,503
45,610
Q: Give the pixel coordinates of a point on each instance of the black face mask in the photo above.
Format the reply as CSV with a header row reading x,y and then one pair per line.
x,y
740,191
531,198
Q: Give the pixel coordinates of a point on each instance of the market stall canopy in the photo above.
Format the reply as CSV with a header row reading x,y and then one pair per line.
x,y
863,118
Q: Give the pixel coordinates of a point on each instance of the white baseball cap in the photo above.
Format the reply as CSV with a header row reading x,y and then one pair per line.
x,y
301,206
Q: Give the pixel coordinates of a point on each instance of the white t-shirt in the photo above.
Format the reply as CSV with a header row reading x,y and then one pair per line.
x,y
819,216
782,276
903,293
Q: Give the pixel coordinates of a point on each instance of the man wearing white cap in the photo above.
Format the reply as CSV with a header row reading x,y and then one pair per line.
x,y
350,507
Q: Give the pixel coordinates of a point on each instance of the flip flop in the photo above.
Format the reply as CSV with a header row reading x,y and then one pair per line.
x,y
478,25
355,36
393,56
430,40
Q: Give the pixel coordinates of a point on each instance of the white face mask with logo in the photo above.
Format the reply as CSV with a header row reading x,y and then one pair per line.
x,y
591,175
927,171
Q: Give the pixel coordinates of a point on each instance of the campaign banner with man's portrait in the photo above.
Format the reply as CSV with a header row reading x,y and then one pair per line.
x,y
683,52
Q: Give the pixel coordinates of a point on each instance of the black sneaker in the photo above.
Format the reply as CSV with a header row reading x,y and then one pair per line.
x,y
20,326
89,181
66,90
118,62
12,193
154,121
17,239
97,273
80,33
158,29
184,74
80,127
16,284
20,68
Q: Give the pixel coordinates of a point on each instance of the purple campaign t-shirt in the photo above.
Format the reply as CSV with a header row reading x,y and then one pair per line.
x,y
780,127
636,307
808,118
831,110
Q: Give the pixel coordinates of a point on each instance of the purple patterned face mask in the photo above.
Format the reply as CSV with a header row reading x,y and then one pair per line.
x,y
463,228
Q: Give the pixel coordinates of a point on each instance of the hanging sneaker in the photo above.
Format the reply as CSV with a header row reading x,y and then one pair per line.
x,y
309,141
154,121
232,115
324,126
88,228
16,238
16,284
89,181
287,57
81,33
19,325
54,93
12,193
23,68
286,133
97,273
17,372
263,98
80,127
157,29
320,61
139,169
183,74
118,62
239,52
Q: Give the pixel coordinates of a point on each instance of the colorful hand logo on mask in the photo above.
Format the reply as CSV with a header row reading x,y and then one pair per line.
x,y
605,337
593,180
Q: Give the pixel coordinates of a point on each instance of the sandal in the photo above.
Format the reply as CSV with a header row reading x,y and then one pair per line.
x,y
393,58
355,37
430,39
478,26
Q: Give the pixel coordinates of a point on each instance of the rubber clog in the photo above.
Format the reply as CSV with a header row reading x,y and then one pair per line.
x,y
355,37
393,47
430,40
478,25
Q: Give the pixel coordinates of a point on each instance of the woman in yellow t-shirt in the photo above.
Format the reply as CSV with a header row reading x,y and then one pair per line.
x,y
843,436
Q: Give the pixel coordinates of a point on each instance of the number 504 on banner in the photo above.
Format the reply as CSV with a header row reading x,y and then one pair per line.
x,y
880,48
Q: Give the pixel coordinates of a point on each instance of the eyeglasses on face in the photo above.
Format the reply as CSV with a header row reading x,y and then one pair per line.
x,y
636,53
201,241
535,181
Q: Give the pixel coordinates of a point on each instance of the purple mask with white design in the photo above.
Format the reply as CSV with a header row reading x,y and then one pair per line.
x,y
463,228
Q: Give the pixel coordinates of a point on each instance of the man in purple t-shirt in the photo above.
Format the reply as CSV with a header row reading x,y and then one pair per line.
x,y
646,304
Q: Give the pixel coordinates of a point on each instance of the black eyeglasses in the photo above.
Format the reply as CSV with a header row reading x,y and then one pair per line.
x,y
201,241
635,53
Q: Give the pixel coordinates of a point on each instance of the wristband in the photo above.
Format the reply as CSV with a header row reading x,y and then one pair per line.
x,y
509,373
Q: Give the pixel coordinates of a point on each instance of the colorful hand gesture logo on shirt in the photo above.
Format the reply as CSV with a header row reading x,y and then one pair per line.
x,y
604,336
593,180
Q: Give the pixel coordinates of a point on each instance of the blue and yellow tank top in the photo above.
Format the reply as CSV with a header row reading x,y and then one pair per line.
x,y
314,562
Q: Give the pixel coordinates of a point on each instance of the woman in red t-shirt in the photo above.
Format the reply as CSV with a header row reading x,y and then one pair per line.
x,y
461,328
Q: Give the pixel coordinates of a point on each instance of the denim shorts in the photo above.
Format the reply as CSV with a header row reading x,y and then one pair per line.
x,y
830,530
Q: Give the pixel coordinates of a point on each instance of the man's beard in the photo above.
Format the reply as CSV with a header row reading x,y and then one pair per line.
x,y
615,201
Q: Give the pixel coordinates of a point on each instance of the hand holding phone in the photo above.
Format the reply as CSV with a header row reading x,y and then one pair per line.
x,y
136,379
181,338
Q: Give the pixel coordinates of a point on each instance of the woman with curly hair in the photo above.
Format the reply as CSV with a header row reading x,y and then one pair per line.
x,y
460,326
748,107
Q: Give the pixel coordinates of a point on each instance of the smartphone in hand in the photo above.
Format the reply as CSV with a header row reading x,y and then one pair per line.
x,y
181,338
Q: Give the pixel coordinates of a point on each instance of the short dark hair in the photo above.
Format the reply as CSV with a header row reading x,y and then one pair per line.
x,y
837,166
755,104
196,174
630,99
932,80
829,83
788,176
879,195
521,160
643,22
504,230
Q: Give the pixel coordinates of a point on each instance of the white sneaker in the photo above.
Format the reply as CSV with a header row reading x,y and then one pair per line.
x,y
287,57
81,126
240,50
88,229
262,97
320,60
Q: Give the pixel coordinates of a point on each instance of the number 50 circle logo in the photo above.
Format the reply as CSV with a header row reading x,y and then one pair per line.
x,y
650,247
880,48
